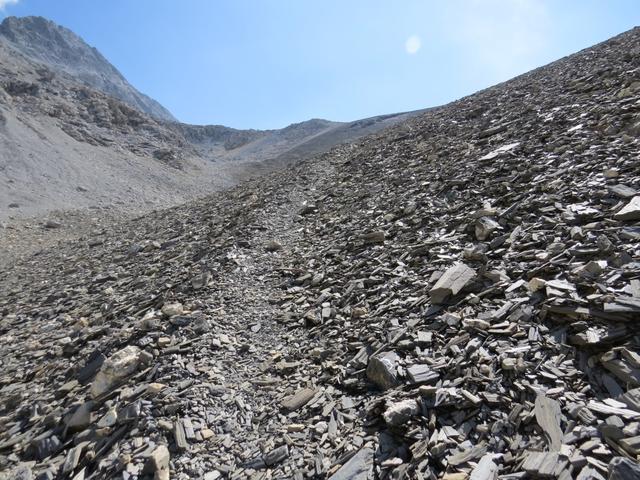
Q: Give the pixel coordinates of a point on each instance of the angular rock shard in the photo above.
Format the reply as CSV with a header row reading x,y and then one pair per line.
x,y
548,416
631,211
451,282
359,467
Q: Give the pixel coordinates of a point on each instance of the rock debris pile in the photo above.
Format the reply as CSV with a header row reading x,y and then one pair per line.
x,y
455,298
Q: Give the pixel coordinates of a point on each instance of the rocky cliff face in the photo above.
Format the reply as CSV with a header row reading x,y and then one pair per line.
x,y
456,297
62,50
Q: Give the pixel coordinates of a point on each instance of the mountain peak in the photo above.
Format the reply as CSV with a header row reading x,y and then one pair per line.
x,y
32,23
62,50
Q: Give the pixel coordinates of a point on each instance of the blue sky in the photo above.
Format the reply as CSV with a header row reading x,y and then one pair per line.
x,y
269,63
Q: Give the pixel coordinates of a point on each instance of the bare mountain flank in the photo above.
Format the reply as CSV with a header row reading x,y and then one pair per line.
x,y
74,133
62,50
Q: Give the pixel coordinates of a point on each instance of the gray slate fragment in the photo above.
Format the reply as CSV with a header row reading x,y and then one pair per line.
x,y
422,374
632,399
299,399
46,447
180,436
72,459
622,191
621,468
548,416
486,469
91,367
373,237
52,224
276,455
255,463
468,454
21,472
81,418
359,467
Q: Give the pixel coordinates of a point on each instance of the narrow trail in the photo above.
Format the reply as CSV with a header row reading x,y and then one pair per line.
x,y
250,360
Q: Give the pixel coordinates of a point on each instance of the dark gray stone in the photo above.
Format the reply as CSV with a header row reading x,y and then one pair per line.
x,y
621,468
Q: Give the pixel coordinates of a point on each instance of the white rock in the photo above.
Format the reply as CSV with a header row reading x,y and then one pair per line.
x,y
159,461
508,363
484,227
536,284
611,173
476,323
120,365
109,419
486,469
401,412
172,309
631,211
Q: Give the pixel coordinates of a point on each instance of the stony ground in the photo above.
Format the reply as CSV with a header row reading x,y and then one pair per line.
x,y
454,298
21,238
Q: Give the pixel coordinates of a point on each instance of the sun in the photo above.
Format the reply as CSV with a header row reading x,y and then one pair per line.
x,y
413,44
